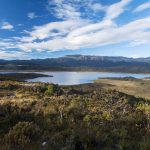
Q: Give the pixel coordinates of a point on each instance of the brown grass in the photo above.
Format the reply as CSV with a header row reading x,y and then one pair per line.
x,y
138,88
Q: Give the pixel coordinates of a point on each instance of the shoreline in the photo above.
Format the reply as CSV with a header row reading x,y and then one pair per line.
x,y
21,76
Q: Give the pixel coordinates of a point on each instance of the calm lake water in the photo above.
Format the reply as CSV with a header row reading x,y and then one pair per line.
x,y
74,78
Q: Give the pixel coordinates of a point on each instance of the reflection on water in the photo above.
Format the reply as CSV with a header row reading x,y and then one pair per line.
x,y
73,78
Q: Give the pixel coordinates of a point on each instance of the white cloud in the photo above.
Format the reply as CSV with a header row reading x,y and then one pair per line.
x,y
6,55
96,7
114,34
91,28
116,9
52,30
142,7
63,9
7,44
6,26
71,9
31,15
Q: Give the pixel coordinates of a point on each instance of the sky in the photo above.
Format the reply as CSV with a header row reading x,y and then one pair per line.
x,y
31,29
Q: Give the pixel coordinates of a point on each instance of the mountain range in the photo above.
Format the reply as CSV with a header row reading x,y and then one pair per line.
x,y
80,63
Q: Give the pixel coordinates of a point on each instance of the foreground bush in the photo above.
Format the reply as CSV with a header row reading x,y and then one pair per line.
x,y
23,135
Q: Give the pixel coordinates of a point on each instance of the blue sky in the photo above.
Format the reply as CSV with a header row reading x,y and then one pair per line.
x,y
53,28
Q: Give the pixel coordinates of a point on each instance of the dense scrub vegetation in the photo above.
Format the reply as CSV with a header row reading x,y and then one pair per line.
x,y
86,117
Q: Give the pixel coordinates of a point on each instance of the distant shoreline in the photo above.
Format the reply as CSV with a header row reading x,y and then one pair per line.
x,y
76,70
21,76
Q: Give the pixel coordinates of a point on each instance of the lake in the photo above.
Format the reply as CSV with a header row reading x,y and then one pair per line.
x,y
74,78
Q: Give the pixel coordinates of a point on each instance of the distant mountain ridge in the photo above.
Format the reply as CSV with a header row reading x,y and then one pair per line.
x,y
80,62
